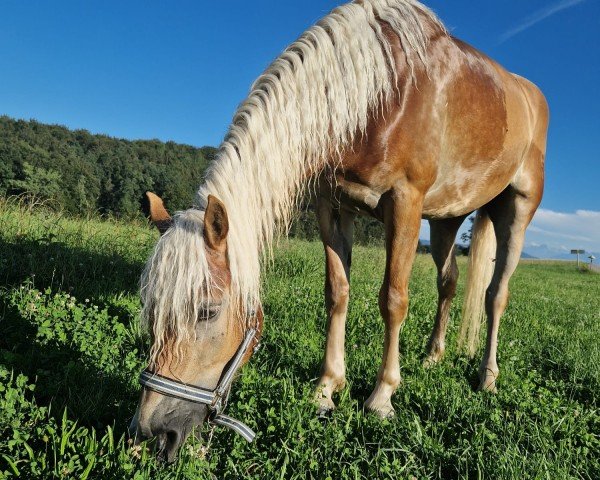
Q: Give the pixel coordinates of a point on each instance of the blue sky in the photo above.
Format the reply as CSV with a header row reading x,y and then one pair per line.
x,y
177,70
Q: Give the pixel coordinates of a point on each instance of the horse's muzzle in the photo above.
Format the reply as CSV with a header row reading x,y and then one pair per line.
x,y
171,422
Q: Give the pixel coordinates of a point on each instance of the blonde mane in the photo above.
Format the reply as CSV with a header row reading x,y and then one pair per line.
x,y
301,114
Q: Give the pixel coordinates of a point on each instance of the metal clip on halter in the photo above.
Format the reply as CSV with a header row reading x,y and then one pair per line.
x,y
216,399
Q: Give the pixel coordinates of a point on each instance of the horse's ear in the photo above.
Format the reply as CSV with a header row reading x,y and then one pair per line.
x,y
155,210
216,224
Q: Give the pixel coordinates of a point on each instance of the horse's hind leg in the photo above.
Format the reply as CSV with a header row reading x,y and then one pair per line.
x,y
336,228
443,236
402,218
510,213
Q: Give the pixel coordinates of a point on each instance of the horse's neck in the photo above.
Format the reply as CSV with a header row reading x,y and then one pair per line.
x,y
259,200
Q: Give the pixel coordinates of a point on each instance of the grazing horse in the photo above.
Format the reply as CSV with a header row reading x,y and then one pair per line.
x,y
380,112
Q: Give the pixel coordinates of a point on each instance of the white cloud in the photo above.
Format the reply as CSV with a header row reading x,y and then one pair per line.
x,y
565,231
537,17
568,236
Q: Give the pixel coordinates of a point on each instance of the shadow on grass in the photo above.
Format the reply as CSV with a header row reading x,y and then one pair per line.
x,y
78,271
582,388
62,376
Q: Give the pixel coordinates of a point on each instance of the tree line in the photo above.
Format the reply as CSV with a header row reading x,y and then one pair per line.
x,y
83,173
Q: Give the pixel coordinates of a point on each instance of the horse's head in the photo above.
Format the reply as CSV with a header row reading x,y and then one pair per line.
x,y
200,333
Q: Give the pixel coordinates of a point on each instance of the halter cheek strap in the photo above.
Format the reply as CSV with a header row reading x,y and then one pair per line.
x,y
216,399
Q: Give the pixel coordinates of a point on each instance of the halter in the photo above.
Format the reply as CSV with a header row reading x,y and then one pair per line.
x,y
216,399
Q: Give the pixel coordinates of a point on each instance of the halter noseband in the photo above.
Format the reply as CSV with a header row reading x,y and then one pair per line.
x,y
216,399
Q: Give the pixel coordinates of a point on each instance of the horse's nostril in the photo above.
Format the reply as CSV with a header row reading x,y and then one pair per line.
x,y
172,437
168,445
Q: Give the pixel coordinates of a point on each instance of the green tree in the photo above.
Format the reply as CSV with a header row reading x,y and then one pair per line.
x,y
38,182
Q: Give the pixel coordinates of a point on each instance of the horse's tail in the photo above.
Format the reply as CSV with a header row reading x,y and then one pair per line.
x,y
479,275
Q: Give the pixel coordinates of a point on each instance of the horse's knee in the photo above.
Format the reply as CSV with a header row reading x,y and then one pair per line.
x,y
447,284
337,293
341,292
496,300
447,280
393,303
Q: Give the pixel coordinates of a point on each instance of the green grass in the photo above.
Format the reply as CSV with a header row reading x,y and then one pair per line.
x,y
70,353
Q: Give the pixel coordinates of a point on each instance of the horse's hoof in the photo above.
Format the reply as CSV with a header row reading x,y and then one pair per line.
x,y
325,407
435,354
488,386
324,412
487,381
431,361
384,410
383,413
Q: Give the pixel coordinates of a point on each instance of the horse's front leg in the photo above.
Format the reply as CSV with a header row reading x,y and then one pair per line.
x,y
402,218
336,228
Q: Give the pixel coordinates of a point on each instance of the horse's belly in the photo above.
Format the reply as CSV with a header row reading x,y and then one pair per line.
x,y
460,193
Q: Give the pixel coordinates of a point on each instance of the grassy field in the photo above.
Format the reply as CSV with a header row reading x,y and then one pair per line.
x,y
70,353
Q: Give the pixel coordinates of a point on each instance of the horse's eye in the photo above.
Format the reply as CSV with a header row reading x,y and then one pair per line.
x,y
210,313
